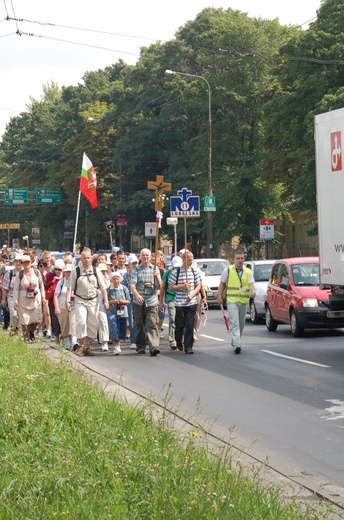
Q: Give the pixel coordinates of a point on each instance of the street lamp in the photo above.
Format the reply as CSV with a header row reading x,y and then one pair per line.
x,y
26,238
173,221
210,184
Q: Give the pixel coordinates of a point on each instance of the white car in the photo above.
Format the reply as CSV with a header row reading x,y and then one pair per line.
x,y
261,274
212,268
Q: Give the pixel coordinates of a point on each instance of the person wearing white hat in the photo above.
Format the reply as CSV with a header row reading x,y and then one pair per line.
x,y
66,319
28,295
186,282
132,263
117,313
7,292
167,297
103,327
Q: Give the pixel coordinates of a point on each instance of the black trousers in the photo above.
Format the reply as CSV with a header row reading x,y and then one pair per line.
x,y
185,324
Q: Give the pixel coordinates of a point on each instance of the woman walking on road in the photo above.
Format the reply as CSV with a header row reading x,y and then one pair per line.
x,y
28,295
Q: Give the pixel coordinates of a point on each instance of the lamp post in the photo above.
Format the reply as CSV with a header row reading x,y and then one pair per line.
x,y
173,221
210,184
26,238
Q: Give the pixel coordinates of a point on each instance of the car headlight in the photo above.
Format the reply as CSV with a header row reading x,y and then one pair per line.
x,y
310,302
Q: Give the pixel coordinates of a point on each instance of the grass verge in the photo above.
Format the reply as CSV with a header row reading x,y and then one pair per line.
x,y
67,451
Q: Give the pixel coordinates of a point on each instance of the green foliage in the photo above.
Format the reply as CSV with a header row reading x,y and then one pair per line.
x,y
69,451
134,122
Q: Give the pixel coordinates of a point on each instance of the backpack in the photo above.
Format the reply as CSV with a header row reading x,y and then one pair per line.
x,y
192,269
78,274
37,273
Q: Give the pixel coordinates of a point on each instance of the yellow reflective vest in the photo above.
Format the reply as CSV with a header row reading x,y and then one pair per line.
x,y
238,290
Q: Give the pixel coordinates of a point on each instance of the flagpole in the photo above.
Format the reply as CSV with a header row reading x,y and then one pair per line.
x,y
76,222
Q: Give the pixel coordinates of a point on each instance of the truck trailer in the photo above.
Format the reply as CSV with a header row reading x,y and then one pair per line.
x,y
329,140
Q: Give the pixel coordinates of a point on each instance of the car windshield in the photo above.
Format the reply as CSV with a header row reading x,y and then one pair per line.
x,y
306,274
210,268
262,272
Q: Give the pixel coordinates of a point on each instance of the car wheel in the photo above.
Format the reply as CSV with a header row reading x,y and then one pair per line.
x,y
271,324
297,329
253,313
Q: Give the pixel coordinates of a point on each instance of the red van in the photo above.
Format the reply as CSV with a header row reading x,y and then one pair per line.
x,y
294,296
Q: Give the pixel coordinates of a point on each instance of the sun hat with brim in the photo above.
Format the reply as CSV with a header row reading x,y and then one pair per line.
x,y
102,267
118,275
26,258
59,264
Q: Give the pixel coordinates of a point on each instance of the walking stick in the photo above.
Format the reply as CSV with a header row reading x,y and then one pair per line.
x,y
225,319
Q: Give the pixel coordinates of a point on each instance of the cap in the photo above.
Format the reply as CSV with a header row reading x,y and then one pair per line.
x,y
68,267
26,258
132,259
19,256
177,261
102,267
59,264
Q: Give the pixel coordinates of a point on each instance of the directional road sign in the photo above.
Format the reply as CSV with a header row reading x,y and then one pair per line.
x,y
47,196
16,196
185,205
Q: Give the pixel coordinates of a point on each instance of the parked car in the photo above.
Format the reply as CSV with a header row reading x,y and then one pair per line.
x,y
212,269
295,297
261,273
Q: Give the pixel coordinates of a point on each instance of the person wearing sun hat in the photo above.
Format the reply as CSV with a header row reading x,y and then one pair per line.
x,y
132,263
117,314
66,319
28,295
103,327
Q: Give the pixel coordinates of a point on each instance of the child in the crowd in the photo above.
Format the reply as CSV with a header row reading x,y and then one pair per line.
x,y
119,298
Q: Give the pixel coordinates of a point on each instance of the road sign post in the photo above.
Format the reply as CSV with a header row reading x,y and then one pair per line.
x,y
267,233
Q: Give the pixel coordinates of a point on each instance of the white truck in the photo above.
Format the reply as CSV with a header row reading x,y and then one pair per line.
x,y
329,141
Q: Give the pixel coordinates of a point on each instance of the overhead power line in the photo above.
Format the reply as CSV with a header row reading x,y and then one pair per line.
x,y
21,33
8,18
279,58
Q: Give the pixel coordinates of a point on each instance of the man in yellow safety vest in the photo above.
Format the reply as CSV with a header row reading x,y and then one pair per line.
x,y
239,284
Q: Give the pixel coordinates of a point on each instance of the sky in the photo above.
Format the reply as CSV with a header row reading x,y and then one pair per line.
x,y
53,52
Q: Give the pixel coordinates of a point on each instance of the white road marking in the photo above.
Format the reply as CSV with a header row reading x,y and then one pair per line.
x,y
336,411
211,337
296,359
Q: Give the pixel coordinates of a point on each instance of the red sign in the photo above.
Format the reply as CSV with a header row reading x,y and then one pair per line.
x,y
266,222
336,151
121,219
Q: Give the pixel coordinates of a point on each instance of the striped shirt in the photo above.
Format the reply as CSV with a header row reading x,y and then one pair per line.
x,y
193,277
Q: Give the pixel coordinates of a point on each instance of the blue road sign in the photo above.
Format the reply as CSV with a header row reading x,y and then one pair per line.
x,y
186,205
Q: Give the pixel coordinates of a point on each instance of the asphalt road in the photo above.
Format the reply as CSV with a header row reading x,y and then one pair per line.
x,y
281,398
